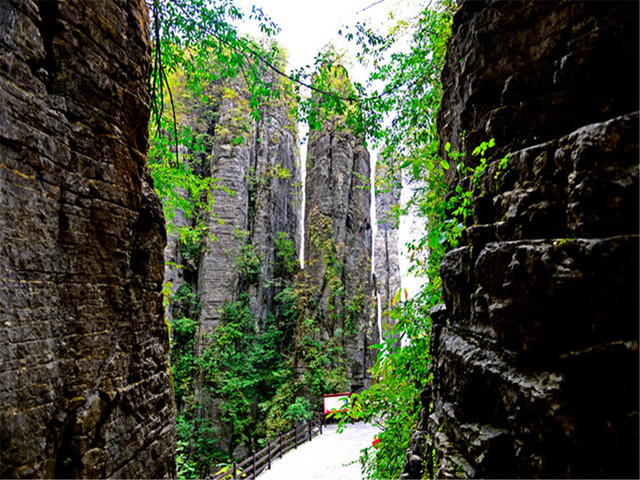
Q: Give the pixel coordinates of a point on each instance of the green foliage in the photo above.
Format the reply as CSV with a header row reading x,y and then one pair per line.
x,y
200,60
286,261
185,302
180,188
247,263
320,358
192,247
194,437
197,49
240,365
227,367
299,411
341,105
410,94
185,465
355,305
185,307
183,365
459,203
196,446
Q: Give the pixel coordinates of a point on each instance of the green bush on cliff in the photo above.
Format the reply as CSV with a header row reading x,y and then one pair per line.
x,y
246,262
286,262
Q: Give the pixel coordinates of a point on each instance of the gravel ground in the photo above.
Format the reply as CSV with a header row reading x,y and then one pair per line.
x,y
331,455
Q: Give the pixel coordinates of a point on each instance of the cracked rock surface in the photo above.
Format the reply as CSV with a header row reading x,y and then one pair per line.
x,y
85,386
535,354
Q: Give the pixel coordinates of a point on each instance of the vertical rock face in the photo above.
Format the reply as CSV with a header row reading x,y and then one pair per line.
x,y
536,370
338,243
261,197
387,261
84,381
256,166
274,198
230,162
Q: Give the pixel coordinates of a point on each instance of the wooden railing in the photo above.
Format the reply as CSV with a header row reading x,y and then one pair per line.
x,y
257,462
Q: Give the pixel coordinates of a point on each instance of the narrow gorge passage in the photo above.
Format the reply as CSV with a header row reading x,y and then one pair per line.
x,y
331,455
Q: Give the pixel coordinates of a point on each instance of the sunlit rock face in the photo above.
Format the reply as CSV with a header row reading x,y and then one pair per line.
x,y
338,244
85,386
535,358
260,198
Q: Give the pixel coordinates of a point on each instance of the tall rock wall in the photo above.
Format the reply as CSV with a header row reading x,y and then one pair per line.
x,y
84,381
230,162
260,197
255,209
338,244
260,201
535,360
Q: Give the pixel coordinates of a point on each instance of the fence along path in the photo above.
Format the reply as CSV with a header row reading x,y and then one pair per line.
x,y
332,456
257,462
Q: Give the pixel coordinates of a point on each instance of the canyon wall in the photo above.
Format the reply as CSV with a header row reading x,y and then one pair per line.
x,y
85,388
535,359
253,333
257,206
338,244
226,282
260,198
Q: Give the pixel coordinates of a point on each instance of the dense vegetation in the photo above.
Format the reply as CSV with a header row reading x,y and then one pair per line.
x,y
197,50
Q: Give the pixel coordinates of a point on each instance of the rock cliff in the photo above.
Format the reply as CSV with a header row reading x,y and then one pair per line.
x,y
84,381
260,198
296,334
535,358
338,244
239,266
259,203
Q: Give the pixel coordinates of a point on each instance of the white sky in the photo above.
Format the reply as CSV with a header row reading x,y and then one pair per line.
x,y
308,26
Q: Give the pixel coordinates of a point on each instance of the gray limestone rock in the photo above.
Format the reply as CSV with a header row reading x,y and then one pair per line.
x,y
256,166
338,243
259,197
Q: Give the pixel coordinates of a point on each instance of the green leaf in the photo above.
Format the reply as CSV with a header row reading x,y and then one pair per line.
x,y
444,164
417,163
447,147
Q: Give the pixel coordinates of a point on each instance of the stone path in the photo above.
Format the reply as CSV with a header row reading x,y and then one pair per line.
x,y
331,455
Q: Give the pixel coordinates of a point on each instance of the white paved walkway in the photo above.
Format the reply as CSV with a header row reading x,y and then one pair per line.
x,y
331,456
